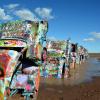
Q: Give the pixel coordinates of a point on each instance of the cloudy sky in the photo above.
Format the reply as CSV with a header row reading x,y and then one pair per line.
x,y
78,20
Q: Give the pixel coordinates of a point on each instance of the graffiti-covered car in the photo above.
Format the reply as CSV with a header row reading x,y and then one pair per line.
x,y
21,43
56,59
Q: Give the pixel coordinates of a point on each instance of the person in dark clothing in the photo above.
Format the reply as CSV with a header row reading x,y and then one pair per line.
x,y
73,55
73,48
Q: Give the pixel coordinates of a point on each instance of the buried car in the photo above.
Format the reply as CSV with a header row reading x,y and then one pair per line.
x,y
20,45
13,76
56,64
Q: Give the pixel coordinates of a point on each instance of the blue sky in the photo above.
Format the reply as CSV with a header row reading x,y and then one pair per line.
x,y
77,19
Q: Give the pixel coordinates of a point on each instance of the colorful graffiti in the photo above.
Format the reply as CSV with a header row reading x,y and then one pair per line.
x,y
34,33
26,35
12,43
54,61
58,45
1,90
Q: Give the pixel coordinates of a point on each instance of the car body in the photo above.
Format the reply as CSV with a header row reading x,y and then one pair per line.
x,y
20,43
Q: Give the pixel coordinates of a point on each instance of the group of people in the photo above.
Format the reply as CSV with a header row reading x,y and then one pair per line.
x,y
76,55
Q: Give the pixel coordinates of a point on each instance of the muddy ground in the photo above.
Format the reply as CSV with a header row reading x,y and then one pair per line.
x,y
77,87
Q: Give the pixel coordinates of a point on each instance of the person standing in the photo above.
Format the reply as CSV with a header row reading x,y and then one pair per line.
x,y
73,55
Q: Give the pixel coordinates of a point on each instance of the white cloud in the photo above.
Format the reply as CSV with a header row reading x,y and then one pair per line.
x,y
25,14
4,16
12,6
96,35
88,39
44,13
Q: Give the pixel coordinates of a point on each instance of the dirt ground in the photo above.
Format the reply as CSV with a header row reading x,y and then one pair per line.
x,y
72,88
83,91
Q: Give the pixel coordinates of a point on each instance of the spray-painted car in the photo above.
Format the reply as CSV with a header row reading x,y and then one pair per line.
x,y
56,59
21,43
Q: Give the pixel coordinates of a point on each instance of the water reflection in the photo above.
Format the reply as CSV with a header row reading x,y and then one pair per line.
x,y
93,69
